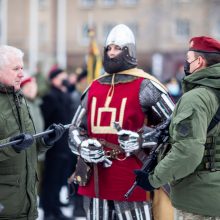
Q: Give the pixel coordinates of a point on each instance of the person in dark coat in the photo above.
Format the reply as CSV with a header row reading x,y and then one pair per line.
x,y
56,107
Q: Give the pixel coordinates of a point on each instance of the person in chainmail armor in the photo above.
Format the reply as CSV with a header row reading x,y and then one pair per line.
x,y
133,99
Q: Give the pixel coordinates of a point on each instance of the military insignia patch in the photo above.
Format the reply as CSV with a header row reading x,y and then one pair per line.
x,y
184,129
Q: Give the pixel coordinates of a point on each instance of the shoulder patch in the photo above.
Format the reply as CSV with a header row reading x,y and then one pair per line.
x,y
184,129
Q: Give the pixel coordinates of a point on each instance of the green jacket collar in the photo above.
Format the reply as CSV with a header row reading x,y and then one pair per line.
x,y
9,89
209,77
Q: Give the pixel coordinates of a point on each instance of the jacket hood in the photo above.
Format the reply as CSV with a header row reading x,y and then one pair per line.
x,y
209,77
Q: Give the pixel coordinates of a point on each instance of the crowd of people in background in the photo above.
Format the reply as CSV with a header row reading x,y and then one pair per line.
x,y
54,98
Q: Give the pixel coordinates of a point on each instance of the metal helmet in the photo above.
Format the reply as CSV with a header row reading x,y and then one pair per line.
x,y
122,36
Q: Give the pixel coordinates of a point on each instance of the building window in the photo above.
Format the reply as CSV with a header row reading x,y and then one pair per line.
x,y
84,34
134,28
181,1
43,38
182,29
106,29
216,29
130,2
42,4
108,2
87,3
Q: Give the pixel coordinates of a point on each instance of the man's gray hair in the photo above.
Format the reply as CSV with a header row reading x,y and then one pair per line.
x,y
6,52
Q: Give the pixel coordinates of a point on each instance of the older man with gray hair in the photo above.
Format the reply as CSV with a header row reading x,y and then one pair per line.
x,y
18,162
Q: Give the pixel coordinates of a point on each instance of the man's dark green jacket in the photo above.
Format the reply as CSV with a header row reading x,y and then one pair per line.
x,y
18,171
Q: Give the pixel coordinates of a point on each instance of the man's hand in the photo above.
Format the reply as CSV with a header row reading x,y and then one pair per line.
x,y
128,140
143,181
26,140
51,138
92,151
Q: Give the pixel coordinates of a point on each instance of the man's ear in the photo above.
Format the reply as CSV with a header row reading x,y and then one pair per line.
x,y
202,62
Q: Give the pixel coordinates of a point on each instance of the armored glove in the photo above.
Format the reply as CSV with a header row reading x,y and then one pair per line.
x,y
76,136
92,151
26,140
51,138
142,180
128,140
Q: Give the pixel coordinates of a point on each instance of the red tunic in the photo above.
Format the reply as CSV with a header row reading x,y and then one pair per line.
x,y
123,106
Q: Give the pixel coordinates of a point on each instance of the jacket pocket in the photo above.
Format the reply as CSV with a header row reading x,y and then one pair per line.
x,y
11,195
182,116
9,122
9,180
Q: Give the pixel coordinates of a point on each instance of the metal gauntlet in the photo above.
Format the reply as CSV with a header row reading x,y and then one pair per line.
x,y
76,133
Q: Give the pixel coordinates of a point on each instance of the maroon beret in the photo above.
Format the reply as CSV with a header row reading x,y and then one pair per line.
x,y
204,44
26,80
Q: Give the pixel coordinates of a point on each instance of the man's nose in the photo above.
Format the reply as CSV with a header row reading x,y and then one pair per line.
x,y
21,73
111,53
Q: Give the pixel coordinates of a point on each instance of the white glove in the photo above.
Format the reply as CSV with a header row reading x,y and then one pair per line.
x,y
92,151
128,140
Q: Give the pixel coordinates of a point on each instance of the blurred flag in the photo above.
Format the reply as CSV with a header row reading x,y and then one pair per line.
x,y
94,60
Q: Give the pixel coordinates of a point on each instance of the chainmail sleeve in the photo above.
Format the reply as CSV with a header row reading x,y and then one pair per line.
x,y
155,102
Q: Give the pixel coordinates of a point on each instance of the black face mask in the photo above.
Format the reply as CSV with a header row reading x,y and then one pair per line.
x,y
66,83
187,67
